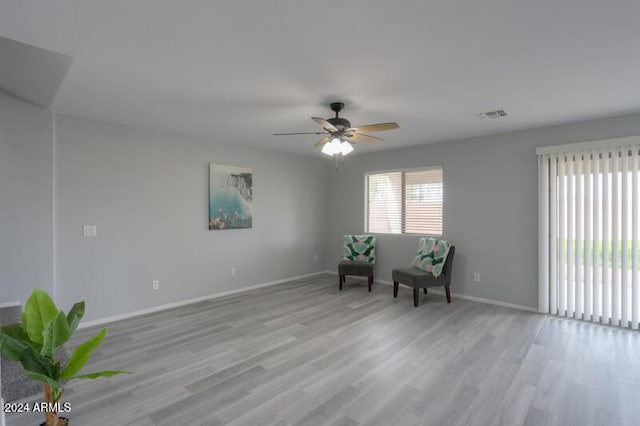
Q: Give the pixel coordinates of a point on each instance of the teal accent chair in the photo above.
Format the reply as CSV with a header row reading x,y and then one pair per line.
x,y
417,278
358,258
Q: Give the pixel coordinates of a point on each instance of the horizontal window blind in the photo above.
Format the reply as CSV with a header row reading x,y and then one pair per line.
x,y
423,202
385,203
405,202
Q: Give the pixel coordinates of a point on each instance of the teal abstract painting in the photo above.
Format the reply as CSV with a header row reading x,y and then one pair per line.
x,y
230,197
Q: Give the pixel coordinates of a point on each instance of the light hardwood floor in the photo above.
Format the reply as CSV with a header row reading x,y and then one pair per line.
x,y
304,353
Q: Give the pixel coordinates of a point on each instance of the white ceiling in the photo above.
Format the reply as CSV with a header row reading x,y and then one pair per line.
x,y
238,71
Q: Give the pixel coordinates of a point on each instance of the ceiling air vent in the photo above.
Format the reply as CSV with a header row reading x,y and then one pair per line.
x,y
492,115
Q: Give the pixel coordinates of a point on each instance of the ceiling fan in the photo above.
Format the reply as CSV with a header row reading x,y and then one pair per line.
x,y
340,134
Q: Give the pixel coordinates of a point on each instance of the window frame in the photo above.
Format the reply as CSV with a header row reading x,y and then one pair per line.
x,y
403,171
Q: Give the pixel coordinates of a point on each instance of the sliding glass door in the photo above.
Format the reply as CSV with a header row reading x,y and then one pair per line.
x,y
589,235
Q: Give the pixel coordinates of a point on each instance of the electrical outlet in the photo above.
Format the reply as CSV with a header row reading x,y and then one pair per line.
x,y
476,277
156,284
233,271
89,230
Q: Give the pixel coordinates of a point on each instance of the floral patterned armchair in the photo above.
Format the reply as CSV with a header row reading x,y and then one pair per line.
x,y
358,257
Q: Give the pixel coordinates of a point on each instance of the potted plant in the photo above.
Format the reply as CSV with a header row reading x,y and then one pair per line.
x,y
33,344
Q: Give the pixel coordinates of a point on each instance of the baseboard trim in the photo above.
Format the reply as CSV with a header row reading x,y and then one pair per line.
x,y
102,321
9,304
437,290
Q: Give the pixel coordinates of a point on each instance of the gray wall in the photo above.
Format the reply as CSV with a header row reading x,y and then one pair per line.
x,y
490,206
26,199
147,193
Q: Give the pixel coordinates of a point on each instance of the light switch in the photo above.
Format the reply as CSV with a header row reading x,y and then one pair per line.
x,y
89,230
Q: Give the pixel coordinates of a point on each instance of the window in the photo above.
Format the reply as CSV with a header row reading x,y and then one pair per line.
x,y
404,202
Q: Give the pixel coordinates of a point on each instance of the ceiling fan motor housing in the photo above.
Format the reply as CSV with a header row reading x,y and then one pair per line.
x,y
336,107
340,123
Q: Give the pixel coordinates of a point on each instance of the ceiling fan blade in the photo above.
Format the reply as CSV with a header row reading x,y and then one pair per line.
x,y
322,141
368,128
359,137
325,124
300,133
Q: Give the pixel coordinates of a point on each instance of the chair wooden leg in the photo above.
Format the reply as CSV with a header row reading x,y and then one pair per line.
x,y
448,293
425,290
416,297
340,280
370,280
395,288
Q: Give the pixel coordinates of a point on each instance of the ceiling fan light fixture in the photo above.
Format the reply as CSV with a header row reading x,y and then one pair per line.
x,y
346,148
332,148
336,145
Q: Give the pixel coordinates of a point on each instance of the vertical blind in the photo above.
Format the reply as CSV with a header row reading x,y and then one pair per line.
x,y
405,202
589,237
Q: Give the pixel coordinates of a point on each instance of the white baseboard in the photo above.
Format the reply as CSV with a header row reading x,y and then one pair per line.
x,y
437,290
9,304
86,324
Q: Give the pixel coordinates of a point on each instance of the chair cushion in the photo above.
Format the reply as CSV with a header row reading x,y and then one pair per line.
x,y
349,267
415,278
431,255
360,248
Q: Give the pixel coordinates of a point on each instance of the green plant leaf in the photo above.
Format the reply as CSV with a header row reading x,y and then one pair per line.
x,y
33,361
56,371
55,334
74,316
16,331
81,355
36,363
108,373
11,347
38,312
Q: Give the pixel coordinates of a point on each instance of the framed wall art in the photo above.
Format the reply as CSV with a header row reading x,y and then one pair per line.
x,y
230,197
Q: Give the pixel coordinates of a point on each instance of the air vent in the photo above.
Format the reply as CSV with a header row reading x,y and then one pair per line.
x,y
492,115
